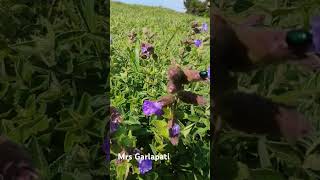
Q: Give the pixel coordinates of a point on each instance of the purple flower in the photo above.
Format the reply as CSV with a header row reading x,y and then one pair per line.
x,y
197,42
106,147
315,23
152,107
175,130
146,50
115,119
209,72
204,27
113,126
145,166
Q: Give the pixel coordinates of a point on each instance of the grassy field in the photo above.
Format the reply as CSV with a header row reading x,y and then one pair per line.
x,y
252,157
134,79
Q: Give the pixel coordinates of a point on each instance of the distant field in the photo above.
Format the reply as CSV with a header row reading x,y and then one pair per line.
x,y
134,79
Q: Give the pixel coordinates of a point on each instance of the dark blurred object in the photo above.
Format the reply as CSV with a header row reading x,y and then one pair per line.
x,y
15,162
252,113
241,48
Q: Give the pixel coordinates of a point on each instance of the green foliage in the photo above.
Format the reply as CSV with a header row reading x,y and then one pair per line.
x,y
52,84
289,84
134,79
197,7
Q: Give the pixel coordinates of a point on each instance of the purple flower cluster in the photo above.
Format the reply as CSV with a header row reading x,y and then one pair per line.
x,y
209,72
152,107
198,29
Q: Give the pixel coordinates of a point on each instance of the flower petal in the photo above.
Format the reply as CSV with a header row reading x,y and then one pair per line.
x,y
145,166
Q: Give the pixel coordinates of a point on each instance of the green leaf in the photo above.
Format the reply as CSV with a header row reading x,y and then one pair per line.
x,y
82,121
160,128
242,5
25,130
69,36
6,126
283,11
39,158
88,14
73,138
30,104
263,153
315,145
4,86
128,140
67,176
27,72
52,94
123,170
137,56
266,174
285,153
185,132
84,105
41,125
291,97
65,125
312,162
153,149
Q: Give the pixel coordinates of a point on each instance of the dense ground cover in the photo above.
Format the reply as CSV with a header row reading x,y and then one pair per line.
x,y
135,78
53,84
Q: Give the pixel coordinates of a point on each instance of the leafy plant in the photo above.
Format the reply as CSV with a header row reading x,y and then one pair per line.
x,y
53,84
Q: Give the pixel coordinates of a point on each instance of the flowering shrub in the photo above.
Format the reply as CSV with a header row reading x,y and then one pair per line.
x,y
160,90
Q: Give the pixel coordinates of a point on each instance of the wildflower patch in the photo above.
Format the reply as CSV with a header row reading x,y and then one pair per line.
x,y
159,93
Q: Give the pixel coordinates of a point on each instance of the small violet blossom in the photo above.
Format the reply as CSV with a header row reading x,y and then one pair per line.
x,y
175,130
204,27
145,166
152,107
197,42
113,126
146,50
115,120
